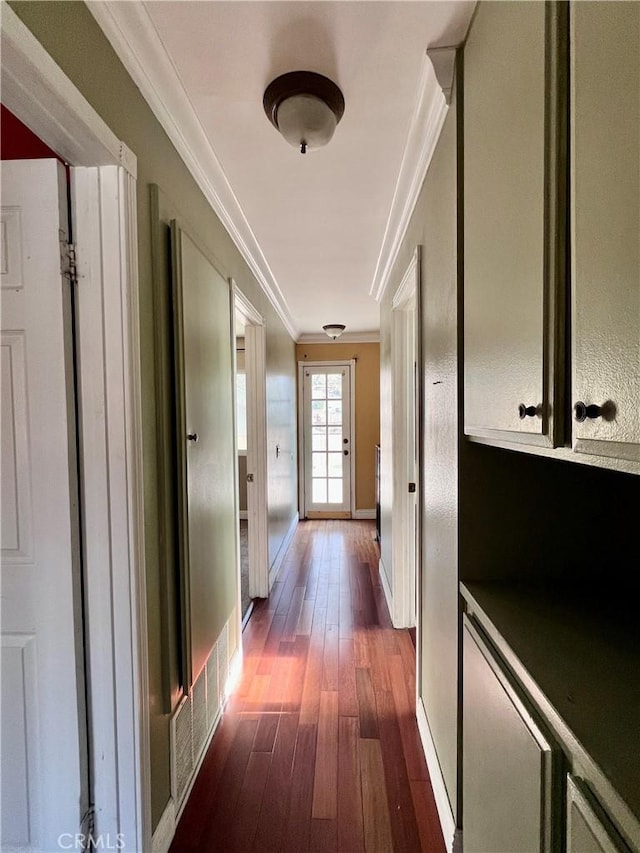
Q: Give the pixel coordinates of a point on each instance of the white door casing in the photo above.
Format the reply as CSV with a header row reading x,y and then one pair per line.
x,y
405,449
257,495
44,772
38,92
326,394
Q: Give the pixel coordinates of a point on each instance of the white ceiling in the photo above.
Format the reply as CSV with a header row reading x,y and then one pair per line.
x,y
319,219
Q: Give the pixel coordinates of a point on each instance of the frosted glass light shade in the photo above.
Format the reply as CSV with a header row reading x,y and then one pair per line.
x,y
306,120
305,107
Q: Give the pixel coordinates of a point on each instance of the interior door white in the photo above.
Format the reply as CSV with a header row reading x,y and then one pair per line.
x,y
44,769
327,440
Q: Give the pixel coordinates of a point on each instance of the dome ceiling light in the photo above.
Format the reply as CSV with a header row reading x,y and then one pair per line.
x,y
305,107
334,330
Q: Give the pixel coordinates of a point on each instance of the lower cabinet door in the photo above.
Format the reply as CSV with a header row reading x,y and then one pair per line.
x,y
509,765
587,832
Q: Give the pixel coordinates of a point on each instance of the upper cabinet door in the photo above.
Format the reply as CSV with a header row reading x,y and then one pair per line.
x,y
605,213
514,215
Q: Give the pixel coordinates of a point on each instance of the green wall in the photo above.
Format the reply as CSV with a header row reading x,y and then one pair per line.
x,y
69,33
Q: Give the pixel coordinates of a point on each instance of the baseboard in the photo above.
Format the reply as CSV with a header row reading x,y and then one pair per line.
x,y
447,820
243,514
385,587
364,514
274,571
165,830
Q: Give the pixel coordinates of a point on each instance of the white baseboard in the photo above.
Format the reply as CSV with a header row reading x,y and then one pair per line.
x,y
165,830
385,587
243,514
363,514
447,820
282,553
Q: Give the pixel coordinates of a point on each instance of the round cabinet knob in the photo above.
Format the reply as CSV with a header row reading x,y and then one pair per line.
x,y
582,411
526,411
192,436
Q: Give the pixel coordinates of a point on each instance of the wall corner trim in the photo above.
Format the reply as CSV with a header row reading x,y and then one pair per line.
x,y
131,33
424,131
385,586
445,814
443,60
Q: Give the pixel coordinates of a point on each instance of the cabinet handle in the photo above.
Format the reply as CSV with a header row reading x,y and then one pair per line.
x,y
192,436
526,411
582,411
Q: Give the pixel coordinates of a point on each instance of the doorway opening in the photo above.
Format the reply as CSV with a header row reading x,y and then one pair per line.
x,y
251,452
326,394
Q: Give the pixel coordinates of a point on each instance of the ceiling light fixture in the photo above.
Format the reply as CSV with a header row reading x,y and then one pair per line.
x,y
334,330
305,107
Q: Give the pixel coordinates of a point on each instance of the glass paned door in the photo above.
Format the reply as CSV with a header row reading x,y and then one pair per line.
x,y
327,439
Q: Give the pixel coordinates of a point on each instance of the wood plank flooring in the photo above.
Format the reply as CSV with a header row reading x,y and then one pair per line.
x,y
318,748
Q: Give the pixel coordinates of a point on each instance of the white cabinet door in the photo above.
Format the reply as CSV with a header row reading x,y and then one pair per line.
x,y
507,772
605,144
44,790
513,221
586,831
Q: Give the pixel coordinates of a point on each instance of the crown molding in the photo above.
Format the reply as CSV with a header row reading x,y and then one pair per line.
x,y
424,131
130,31
345,338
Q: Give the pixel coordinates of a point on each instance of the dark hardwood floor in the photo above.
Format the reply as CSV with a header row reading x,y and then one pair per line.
x,y
318,748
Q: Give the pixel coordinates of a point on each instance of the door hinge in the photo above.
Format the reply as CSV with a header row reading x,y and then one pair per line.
x,y
68,266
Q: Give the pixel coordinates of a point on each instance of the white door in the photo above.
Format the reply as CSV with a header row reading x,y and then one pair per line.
x,y
44,789
327,440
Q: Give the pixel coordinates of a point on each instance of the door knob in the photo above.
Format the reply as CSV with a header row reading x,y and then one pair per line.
x,y
526,411
582,411
192,436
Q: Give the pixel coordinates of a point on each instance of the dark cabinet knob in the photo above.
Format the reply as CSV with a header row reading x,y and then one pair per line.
x,y
346,452
526,411
582,411
192,436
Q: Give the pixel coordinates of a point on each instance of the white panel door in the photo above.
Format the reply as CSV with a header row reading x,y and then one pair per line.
x,y
44,790
327,440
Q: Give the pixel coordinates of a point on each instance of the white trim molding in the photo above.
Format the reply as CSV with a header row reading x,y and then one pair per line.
x,y
364,514
424,131
346,338
165,830
104,210
445,814
443,60
37,90
131,33
384,578
255,368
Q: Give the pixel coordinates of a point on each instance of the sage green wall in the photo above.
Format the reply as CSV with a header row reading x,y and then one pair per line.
x,y
69,33
434,227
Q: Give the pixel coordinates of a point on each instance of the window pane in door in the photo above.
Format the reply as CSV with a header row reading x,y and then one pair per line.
x,y
335,464
318,412
318,386
318,438
335,411
334,386
335,438
318,464
335,491
319,491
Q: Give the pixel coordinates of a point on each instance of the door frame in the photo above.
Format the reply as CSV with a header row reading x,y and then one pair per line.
x,y
351,364
103,189
255,357
406,384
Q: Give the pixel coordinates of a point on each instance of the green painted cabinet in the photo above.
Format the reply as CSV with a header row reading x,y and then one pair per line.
x,y
605,230
513,221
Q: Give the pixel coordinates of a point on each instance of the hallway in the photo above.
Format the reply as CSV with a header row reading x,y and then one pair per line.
x,y
318,748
